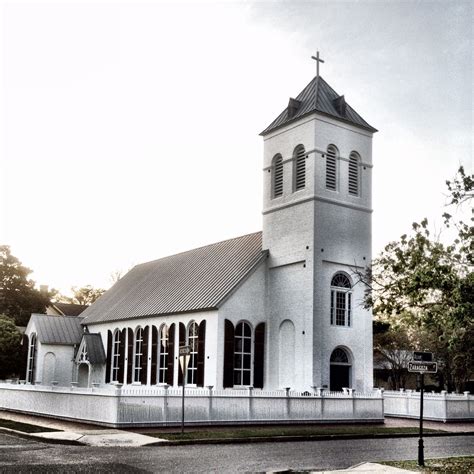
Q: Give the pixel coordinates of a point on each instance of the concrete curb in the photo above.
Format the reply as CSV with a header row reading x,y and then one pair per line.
x,y
41,439
288,439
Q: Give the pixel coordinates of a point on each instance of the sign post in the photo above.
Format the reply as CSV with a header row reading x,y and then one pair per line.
x,y
184,352
422,364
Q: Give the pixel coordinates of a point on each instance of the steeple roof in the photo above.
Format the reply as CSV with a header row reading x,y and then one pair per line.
x,y
318,96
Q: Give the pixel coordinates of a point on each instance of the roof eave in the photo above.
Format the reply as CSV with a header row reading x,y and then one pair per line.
x,y
267,131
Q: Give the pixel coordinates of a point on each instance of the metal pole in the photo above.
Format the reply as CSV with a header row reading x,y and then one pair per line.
x,y
421,457
182,400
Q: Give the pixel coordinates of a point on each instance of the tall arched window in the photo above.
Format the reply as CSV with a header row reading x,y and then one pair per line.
x,y
243,354
277,177
354,177
31,359
115,356
137,355
331,167
341,300
193,333
299,160
163,349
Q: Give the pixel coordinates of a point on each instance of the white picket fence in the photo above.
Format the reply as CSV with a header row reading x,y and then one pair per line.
x,y
143,406
436,406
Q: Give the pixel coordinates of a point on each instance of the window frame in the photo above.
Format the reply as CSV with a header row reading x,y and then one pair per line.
x,y
192,342
137,354
115,360
162,355
341,301
32,347
243,368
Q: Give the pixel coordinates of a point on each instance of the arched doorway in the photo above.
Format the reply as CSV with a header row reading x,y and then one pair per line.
x,y
49,368
340,370
286,354
83,375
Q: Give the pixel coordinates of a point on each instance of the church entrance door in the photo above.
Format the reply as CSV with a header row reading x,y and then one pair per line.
x,y
340,371
83,375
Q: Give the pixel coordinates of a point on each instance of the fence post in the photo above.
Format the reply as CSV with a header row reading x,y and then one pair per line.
x,y
165,403
210,409
250,412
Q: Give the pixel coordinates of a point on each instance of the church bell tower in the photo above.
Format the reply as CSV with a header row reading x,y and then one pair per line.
x,y
317,207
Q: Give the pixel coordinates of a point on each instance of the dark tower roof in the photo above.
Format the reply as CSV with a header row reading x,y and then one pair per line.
x,y
318,96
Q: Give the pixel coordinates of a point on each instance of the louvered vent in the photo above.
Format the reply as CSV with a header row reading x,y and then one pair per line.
x,y
300,168
331,168
354,174
277,176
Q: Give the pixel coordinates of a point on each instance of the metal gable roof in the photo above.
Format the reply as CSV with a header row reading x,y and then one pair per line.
x,y
195,280
318,96
63,330
95,349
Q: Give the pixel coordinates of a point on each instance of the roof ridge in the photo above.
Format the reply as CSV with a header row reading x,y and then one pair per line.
x,y
197,248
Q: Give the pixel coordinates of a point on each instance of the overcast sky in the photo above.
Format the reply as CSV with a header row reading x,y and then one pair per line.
x,y
130,131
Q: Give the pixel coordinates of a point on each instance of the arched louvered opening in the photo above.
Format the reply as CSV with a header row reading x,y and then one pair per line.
x,y
259,356
229,341
277,178
31,359
341,300
331,167
243,354
299,158
108,367
340,370
354,178
154,355
201,354
25,343
129,356
171,344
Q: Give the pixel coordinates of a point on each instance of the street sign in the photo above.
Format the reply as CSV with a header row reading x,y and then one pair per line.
x,y
423,367
184,350
422,356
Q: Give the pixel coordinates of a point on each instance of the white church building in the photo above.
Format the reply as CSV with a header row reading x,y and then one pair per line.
x,y
277,309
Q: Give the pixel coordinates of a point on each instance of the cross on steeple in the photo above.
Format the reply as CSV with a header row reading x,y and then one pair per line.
x,y
318,60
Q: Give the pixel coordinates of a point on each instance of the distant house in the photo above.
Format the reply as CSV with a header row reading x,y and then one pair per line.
x,y
65,309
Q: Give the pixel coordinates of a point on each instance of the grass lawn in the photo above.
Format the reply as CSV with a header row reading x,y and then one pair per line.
x,y
270,431
25,427
461,465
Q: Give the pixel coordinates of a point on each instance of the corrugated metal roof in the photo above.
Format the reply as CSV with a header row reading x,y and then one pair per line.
x,y
65,330
95,348
319,96
195,280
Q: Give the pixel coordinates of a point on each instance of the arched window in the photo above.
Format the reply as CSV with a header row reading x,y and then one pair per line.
x,y
331,167
163,348
277,178
31,359
115,356
340,370
193,333
341,300
137,355
243,354
354,178
299,160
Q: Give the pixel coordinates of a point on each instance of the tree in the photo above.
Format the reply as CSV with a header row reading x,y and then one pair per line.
x,y
10,349
18,296
85,295
427,287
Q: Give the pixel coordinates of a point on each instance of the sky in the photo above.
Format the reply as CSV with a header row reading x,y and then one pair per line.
x,y
129,130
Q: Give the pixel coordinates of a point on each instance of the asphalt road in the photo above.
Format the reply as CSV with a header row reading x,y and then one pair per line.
x,y
18,455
